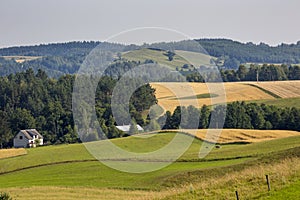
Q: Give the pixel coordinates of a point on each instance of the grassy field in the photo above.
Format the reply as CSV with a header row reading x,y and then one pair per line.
x,y
181,57
7,153
249,182
290,192
194,58
201,186
283,103
69,171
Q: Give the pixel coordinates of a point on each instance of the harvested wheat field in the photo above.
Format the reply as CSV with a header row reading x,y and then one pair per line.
x,y
171,94
6,153
238,135
283,89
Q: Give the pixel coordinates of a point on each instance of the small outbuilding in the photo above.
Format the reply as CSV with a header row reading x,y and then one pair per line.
x,y
126,128
28,138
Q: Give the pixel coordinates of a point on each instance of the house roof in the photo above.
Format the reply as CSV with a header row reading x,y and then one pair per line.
x,y
29,133
125,128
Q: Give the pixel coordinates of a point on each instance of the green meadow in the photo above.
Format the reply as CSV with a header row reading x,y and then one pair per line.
x,y
180,58
281,102
72,166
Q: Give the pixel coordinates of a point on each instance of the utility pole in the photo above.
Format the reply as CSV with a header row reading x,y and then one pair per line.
x,y
257,75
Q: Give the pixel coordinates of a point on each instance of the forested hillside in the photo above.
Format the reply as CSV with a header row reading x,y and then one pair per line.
x,y
236,53
58,49
65,58
29,100
54,59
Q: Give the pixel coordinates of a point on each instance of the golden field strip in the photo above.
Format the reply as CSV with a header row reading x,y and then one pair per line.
x,y
172,94
225,136
88,193
6,153
284,89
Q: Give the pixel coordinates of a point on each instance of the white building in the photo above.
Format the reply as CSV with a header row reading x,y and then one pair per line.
x,y
28,138
126,128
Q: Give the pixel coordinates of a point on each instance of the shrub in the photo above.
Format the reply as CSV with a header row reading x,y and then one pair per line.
x,y
5,196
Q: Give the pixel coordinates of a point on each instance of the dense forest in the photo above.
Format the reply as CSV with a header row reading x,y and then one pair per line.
x,y
29,100
239,115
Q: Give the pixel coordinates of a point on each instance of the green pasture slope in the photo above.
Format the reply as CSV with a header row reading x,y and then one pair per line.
x,y
72,165
180,58
281,102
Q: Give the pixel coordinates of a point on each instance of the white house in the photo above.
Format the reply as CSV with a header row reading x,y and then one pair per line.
x,y
126,128
28,138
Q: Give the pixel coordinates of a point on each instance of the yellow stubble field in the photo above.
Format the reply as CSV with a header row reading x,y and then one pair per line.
x,y
171,94
225,136
284,89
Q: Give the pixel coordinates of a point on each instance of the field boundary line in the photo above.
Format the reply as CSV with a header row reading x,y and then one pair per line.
x,y
264,90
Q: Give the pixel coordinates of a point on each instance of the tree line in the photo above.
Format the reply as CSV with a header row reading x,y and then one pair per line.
x,y
239,115
266,72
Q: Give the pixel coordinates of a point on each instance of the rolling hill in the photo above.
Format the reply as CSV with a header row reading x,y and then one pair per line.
x,y
181,57
239,162
70,172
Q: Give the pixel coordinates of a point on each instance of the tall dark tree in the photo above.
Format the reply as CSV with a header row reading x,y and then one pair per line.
x,y
6,134
133,128
170,55
204,117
